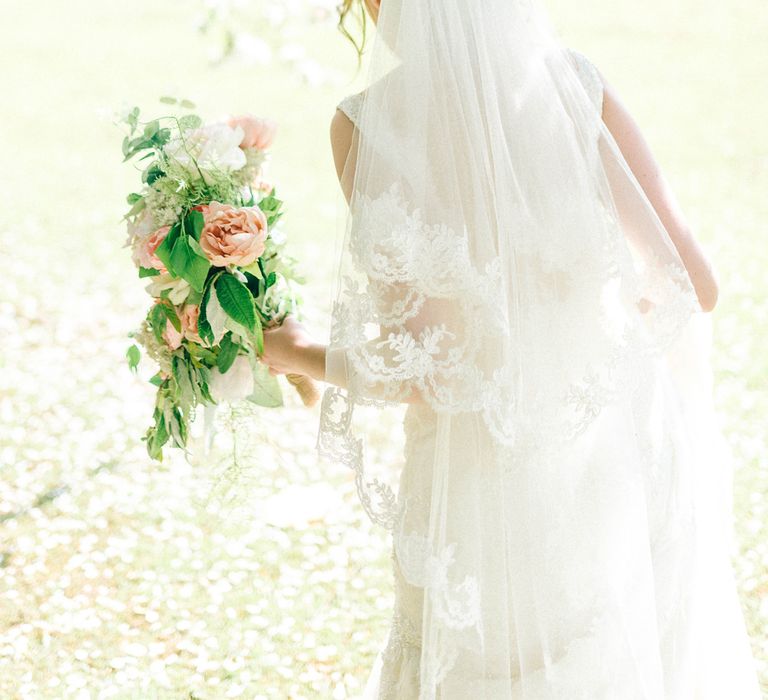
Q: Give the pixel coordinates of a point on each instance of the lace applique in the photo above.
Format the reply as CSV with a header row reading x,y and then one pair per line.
x,y
409,263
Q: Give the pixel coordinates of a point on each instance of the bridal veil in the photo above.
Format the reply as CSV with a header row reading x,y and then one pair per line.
x,y
504,274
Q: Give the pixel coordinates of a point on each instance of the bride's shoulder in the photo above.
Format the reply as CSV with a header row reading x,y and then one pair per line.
x,y
342,128
589,75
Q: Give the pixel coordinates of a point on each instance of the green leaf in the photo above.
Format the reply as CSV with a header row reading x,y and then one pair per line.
x,y
157,318
202,354
161,435
236,301
148,272
204,329
151,129
227,353
180,256
134,357
156,380
252,282
194,297
254,269
163,251
162,137
187,104
168,100
134,146
266,391
194,225
258,336
187,263
172,316
133,198
271,279
153,173
271,206
133,119
181,375
197,272
136,208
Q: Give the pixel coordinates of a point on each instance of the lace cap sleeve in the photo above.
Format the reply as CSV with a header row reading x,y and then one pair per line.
x,y
590,78
351,105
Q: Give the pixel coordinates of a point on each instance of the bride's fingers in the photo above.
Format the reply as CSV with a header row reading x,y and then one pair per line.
x,y
275,372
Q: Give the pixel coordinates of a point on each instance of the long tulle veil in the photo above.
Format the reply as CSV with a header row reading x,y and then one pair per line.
x,y
504,273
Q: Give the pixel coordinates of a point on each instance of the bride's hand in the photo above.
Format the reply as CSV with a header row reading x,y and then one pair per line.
x,y
290,349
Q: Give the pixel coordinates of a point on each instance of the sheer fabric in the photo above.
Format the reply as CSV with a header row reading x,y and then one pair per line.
x,y
560,527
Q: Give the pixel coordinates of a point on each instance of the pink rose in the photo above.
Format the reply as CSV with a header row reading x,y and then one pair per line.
x,y
188,317
258,133
171,336
145,252
233,236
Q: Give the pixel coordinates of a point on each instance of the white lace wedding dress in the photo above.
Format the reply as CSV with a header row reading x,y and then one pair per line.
x,y
703,651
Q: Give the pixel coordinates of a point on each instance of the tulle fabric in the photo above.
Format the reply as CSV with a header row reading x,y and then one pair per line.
x,y
560,527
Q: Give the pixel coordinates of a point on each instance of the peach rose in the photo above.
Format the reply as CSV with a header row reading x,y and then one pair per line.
x,y
145,251
258,133
188,317
171,336
233,236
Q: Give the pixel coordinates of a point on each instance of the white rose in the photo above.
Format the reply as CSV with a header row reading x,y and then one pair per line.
x,y
179,288
214,147
235,384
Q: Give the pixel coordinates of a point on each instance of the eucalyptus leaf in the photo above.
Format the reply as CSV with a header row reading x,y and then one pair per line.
x,y
190,121
133,119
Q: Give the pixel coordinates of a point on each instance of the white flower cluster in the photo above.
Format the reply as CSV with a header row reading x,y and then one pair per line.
x,y
211,148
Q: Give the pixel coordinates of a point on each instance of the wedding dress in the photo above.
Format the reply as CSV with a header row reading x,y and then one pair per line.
x,y
561,524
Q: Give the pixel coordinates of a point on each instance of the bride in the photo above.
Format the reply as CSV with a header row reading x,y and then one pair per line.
x,y
517,272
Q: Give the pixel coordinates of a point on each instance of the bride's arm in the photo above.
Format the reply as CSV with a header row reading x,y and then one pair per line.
x,y
289,348
641,161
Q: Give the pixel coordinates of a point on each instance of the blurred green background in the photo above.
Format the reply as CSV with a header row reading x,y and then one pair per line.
x,y
124,579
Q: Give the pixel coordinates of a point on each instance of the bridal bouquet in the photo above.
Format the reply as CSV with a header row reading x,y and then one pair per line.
x,y
203,232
